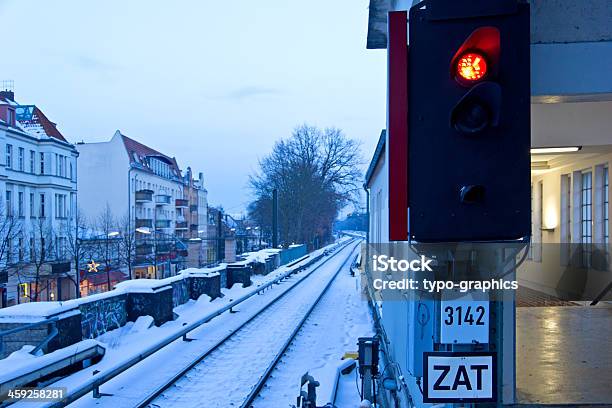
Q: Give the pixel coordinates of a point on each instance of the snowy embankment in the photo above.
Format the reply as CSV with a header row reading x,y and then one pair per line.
x,y
129,341
332,330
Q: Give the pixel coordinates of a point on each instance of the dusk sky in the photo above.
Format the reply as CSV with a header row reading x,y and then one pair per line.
x,y
212,83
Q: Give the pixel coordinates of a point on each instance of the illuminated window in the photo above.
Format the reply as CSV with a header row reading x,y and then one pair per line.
x,y
24,290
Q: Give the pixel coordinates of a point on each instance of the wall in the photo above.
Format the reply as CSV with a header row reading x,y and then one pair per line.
x,y
290,254
103,315
102,169
379,202
571,124
554,267
561,21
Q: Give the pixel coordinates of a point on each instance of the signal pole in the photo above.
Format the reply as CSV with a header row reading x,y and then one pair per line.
x,y
466,90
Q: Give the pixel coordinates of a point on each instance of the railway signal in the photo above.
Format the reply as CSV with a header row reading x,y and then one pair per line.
x,y
468,160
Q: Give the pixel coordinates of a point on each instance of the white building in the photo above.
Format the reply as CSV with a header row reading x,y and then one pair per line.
x,y
38,177
138,182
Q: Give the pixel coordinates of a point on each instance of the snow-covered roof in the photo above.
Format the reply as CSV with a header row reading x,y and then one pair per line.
x,y
32,120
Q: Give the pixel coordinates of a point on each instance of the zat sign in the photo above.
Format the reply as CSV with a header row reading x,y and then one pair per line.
x,y
459,377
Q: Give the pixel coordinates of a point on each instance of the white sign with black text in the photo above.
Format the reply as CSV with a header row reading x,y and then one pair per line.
x,y
459,377
464,320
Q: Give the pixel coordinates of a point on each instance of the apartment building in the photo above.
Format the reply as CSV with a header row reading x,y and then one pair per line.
x,y
38,178
146,187
194,217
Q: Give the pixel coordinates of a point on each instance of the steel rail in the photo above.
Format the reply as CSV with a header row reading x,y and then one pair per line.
x,y
262,381
102,377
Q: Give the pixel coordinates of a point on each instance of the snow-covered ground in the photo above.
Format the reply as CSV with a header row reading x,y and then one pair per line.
x,y
332,329
226,377
130,340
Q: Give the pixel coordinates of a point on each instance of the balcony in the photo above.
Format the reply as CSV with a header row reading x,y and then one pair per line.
x,y
181,203
144,222
181,225
143,260
144,249
163,248
162,199
162,224
144,196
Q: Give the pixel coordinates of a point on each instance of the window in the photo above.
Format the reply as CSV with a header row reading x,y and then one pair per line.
x,y
20,203
20,249
41,212
62,166
71,173
32,251
11,117
56,165
32,161
60,206
9,203
566,208
586,217
32,205
9,156
62,247
42,163
606,210
21,159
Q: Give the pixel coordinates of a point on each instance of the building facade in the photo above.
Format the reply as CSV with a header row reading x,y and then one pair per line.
x,y
145,190
142,187
195,214
38,178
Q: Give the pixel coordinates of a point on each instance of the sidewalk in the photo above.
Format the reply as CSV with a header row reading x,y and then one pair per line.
x,y
564,355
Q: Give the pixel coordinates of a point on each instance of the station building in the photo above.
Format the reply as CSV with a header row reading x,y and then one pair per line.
x,y
571,130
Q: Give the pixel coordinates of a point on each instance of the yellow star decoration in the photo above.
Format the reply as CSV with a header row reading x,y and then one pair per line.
x,y
93,266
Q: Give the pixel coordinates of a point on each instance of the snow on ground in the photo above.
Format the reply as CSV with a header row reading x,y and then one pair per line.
x,y
130,340
21,362
332,329
226,377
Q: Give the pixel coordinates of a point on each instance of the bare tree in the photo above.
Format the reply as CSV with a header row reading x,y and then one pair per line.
x,y
127,243
316,173
10,229
76,233
106,241
42,252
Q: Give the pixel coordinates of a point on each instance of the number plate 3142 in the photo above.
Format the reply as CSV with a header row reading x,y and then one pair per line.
x,y
464,321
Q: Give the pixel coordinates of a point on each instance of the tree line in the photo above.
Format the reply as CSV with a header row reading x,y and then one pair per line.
x,y
29,248
316,173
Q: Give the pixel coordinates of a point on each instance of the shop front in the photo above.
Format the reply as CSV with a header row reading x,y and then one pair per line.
x,y
97,282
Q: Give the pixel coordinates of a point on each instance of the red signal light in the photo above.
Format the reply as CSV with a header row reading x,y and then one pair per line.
x,y
471,67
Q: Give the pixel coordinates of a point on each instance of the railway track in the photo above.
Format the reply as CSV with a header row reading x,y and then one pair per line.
x,y
251,352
